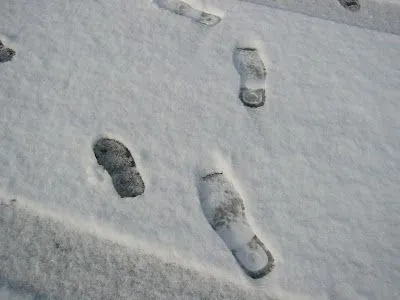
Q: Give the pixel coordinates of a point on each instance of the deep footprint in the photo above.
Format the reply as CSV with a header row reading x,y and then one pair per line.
x,y
252,73
184,9
352,5
6,54
119,163
224,209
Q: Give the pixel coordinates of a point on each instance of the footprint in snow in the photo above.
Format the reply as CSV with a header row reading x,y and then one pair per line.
x,y
184,9
252,73
352,5
7,203
119,163
6,54
224,210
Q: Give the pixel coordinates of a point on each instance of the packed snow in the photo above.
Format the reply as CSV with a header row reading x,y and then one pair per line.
x,y
318,166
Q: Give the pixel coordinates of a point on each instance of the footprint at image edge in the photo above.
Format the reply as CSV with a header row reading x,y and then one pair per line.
x,y
352,5
6,54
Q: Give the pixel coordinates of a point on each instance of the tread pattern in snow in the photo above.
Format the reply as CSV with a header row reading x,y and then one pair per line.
x,y
119,163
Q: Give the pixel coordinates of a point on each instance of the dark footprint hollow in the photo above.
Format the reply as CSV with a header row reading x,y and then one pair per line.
x,y
352,5
6,54
119,163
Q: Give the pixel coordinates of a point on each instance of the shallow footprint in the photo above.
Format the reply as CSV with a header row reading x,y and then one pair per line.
x,y
224,209
352,5
6,54
184,9
252,73
119,163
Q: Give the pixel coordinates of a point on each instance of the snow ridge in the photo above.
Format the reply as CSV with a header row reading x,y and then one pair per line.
x,y
49,258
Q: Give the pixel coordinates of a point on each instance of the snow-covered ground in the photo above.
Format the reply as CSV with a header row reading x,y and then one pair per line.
x,y
380,15
318,166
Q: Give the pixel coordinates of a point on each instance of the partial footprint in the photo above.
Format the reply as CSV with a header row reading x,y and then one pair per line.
x,y
119,163
352,5
6,54
224,209
252,73
7,202
184,9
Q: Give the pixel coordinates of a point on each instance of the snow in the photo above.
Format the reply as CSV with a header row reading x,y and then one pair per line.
x,y
92,265
380,15
318,165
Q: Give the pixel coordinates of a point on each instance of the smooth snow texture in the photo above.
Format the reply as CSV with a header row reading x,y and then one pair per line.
x,y
381,15
319,163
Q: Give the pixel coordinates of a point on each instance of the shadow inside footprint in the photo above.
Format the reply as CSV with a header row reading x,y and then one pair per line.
x,y
6,54
119,163
224,210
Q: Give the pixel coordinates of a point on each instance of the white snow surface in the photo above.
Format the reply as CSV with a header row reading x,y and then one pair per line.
x,y
318,166
380,15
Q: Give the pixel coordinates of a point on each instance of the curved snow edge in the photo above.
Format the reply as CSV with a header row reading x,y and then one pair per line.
x,y
44,255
